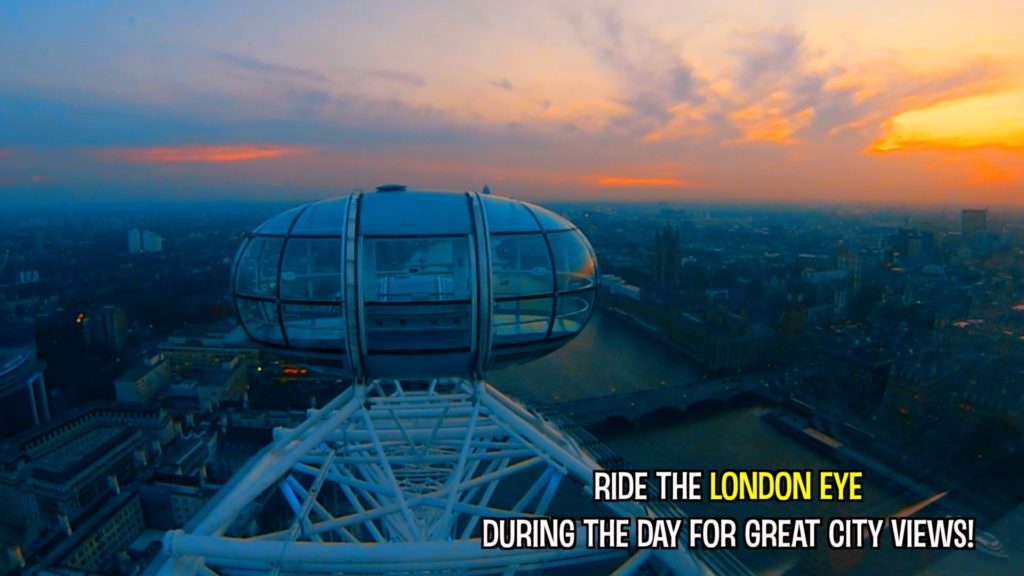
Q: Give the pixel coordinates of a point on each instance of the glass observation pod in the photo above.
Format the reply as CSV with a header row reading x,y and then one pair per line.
x,y
415,284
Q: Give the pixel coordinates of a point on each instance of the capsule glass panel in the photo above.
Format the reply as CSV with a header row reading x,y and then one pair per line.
x,y
258,267
507,215
520,321
260,320
311,270
325,218
550,221
520,265
574,310
414,214
280,224
416,269
417,294
314,326
574,262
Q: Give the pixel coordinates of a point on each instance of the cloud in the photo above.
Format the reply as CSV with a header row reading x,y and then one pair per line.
x,y
197,154
777,94
639,182
653,77
619,104
768,58
984,121
502,84
506,86
786,92
269,69
407,79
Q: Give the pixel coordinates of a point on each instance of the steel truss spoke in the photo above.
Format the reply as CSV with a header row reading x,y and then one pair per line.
x,y
391,477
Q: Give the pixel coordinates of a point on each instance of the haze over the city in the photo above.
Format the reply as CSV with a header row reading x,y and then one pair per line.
x,y
788,101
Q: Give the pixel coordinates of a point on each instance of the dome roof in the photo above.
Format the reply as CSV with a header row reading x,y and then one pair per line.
x,y
410,284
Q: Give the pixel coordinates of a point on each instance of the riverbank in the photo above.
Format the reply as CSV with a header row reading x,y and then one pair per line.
x,y
654,332
800,430
615,355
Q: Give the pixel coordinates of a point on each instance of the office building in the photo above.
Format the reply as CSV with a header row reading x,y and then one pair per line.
x,y
51,474
144,241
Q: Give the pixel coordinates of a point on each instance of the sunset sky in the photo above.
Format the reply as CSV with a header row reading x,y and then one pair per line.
x,y
838,101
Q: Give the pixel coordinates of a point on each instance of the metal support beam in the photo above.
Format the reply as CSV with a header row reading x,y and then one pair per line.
x,y
387,478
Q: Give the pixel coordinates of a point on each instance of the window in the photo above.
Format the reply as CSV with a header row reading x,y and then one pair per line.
x,y
319,326
417,293
573,311
260,319
257,269
523,320
520,265
574,262
312,270
416,269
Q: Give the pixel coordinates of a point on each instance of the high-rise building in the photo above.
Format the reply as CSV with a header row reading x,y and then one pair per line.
x,y
28,277
23,401
107,329
152,242
134,241
144,241
973,222
666,257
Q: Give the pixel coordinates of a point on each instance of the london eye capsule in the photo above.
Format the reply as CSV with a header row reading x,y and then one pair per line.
x,y
414,284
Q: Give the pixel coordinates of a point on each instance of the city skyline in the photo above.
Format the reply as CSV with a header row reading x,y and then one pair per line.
x,y
919,103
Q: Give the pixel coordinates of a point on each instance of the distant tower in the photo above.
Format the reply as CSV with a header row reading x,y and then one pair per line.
x,y
134,241
152,242
973,222
666,257
108,329
144,241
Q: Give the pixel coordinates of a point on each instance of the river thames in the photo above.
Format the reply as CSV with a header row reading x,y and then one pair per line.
x,y
613,356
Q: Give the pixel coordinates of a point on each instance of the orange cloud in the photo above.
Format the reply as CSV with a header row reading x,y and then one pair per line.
x,y
199,154
984,121
973,170
988,174
766,124
639,182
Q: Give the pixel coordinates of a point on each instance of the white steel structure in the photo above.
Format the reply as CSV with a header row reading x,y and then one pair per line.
x,y
412,296
387,480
